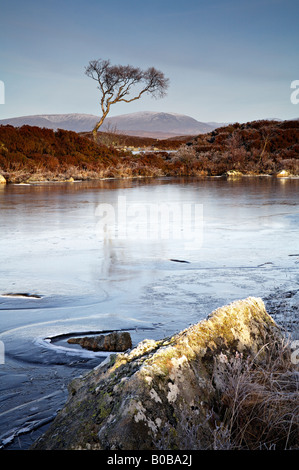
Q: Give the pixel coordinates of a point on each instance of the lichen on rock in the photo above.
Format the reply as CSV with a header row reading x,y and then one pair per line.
x,y
130,401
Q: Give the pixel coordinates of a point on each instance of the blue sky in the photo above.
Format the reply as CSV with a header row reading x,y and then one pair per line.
x,y
227,60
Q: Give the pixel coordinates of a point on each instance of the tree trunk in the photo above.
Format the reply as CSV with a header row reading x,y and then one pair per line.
x,y
98,124
96,127
94,132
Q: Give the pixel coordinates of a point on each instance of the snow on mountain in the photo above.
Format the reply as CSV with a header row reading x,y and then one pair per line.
x,y
178,124
68,122
140,123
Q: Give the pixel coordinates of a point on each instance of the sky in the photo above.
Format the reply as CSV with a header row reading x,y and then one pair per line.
x,y
226,60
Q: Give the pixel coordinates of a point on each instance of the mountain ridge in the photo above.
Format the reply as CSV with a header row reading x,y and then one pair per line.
x,y
143,123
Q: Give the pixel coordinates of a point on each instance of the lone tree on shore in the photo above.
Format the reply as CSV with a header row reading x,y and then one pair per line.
x,y
117,81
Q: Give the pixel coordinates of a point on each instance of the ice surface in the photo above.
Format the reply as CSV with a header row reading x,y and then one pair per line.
x,y
84,281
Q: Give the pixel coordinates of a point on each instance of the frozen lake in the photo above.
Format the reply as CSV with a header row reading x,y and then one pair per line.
x,y
149,256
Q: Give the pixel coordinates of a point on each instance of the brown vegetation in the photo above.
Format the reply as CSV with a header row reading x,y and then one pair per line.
x,y
253,148
28,151
32,153
257,409
260,406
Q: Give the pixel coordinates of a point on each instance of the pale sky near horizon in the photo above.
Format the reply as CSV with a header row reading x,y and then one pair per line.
x,y
227,60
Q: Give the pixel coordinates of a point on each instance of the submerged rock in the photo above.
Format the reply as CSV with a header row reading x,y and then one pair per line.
x,y
116,341
133,400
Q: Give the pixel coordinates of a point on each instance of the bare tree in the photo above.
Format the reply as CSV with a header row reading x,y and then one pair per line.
x,y
117,81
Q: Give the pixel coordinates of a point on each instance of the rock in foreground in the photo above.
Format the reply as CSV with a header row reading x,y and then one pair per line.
x,y
148,398
116,341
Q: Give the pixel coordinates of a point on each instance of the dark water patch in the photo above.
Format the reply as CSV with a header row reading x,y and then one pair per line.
x,y
51,301
26,416
179,261
66,336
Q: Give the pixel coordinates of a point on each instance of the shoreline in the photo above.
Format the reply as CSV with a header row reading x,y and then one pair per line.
x,y
115,178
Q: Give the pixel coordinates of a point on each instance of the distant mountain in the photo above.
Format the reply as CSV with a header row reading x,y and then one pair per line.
x,y
145,124
68,122
171,123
